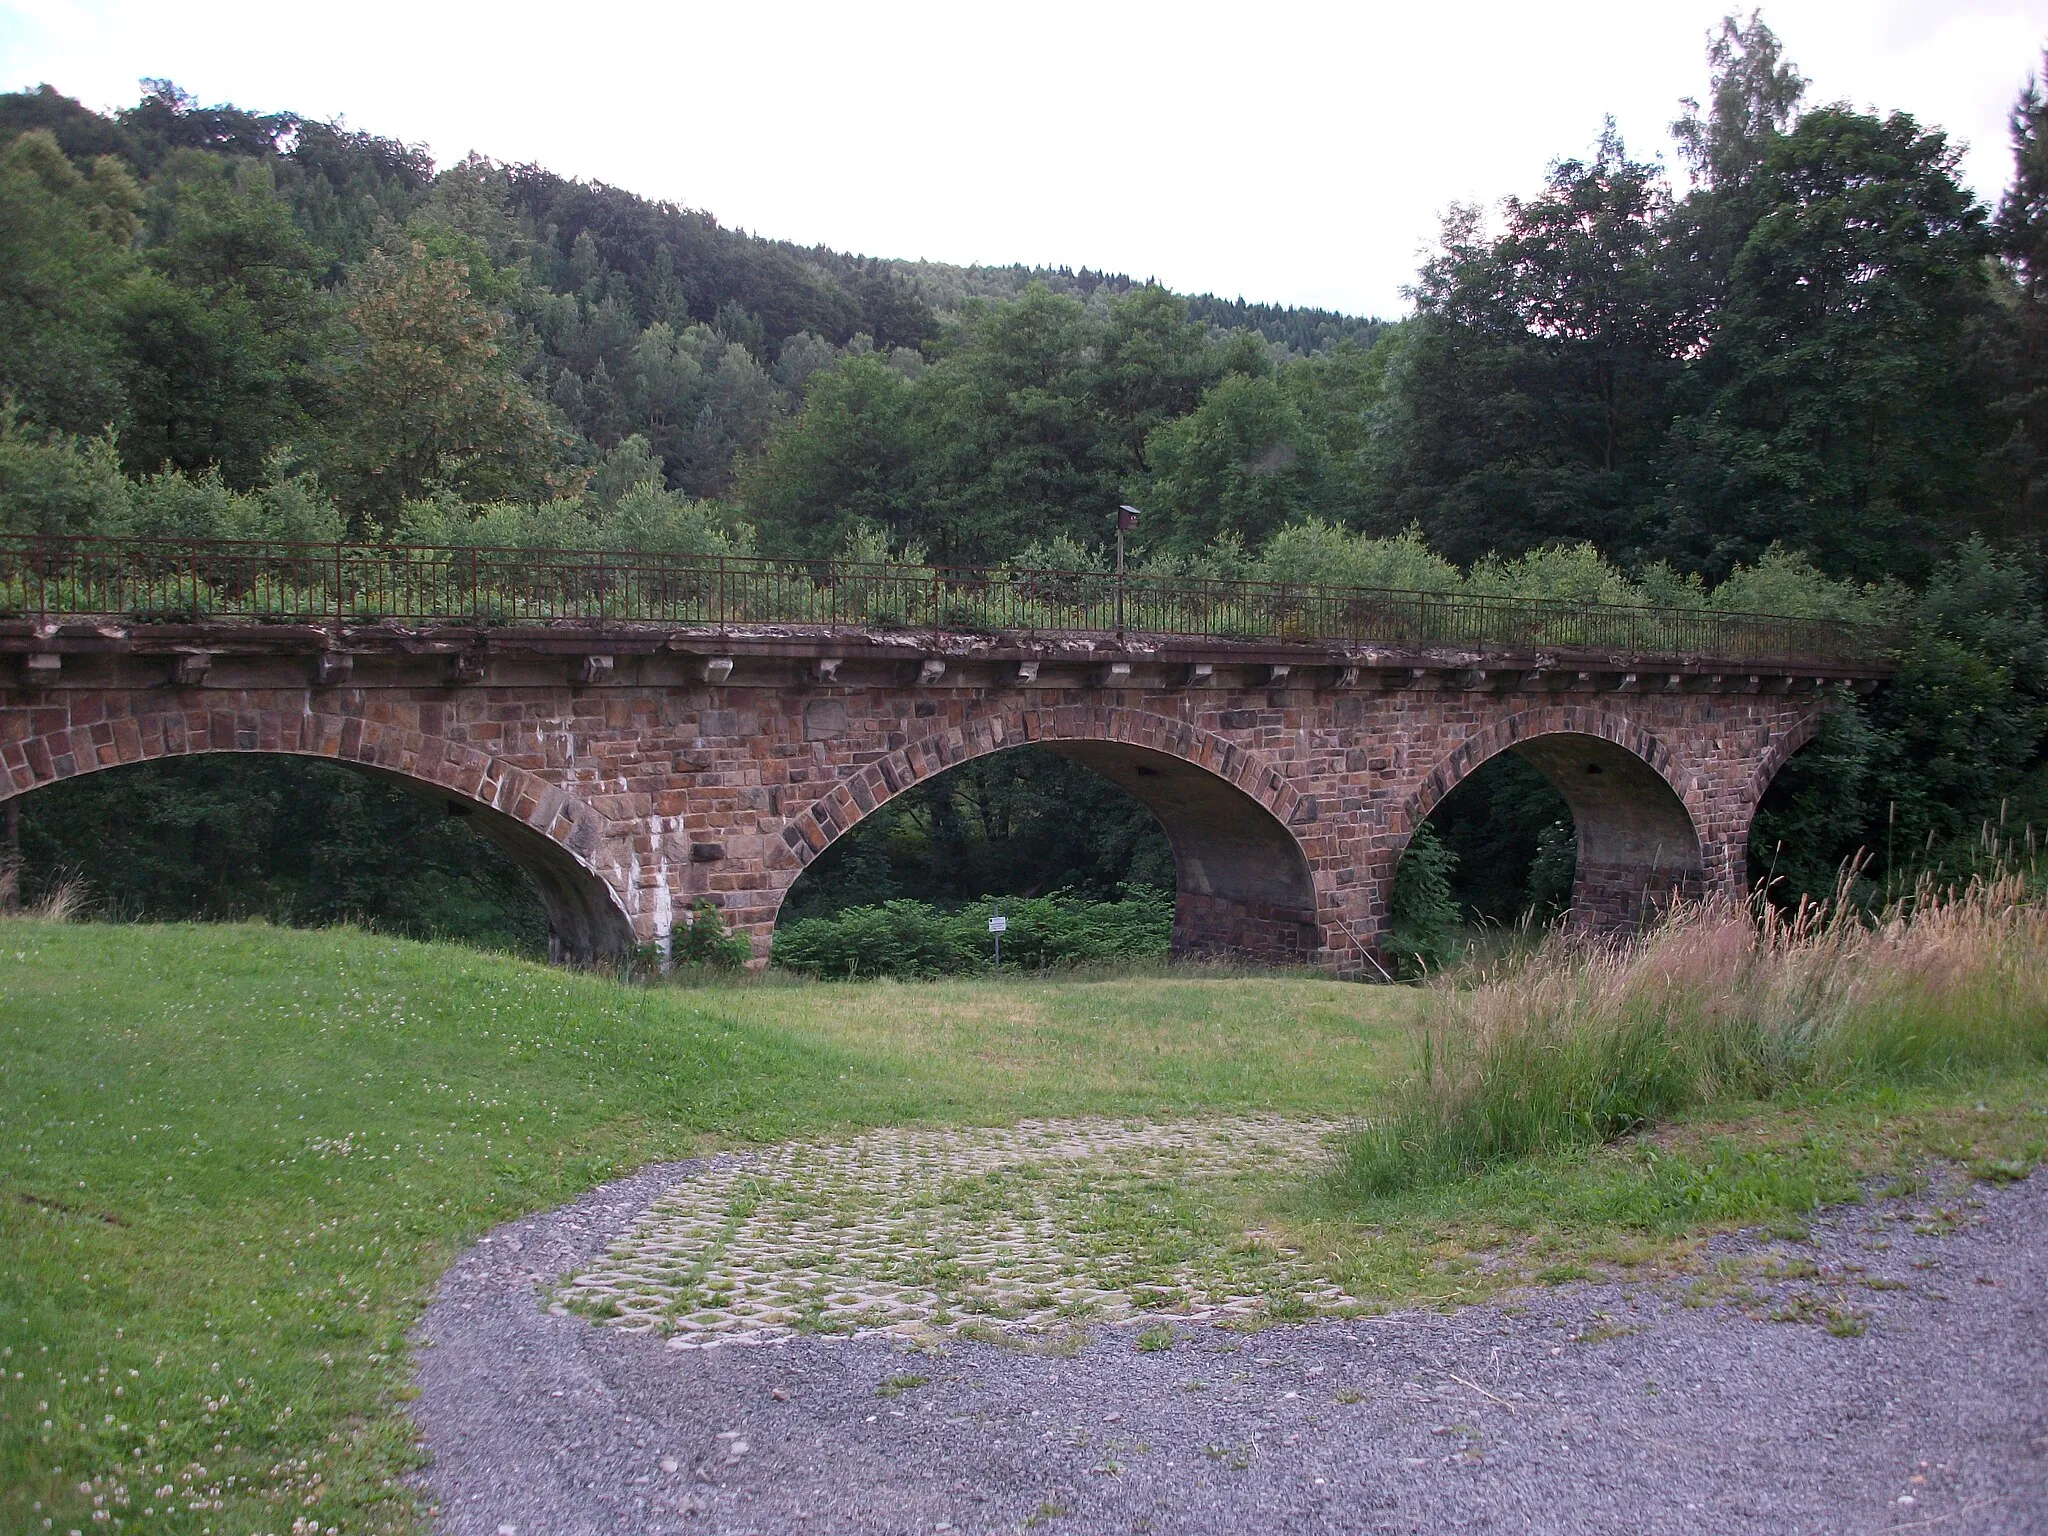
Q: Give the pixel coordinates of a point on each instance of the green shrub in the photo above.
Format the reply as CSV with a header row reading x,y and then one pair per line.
x,y
703,942
916,939
1046,932
1789,585
1422,913
897,938
1314,551
52,483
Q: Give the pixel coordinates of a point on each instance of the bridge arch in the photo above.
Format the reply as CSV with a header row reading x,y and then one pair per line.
x,y
542,830
1638,822
1244,884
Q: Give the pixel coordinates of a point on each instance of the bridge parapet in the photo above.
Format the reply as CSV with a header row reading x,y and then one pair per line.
x,y
349,585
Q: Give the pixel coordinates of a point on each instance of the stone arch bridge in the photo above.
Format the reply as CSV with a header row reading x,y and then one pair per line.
x,y
633,768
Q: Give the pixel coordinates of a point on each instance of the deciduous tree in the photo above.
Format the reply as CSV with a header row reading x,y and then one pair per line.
x,y
65,271
424,397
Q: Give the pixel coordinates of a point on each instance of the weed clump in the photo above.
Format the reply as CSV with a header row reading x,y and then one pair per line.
x,y
65,900
1583,1044
705,943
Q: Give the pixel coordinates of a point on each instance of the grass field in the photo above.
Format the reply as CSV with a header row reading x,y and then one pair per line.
x,y
235,1159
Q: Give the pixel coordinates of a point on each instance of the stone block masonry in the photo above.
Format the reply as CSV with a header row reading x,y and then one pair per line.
x,y
634,770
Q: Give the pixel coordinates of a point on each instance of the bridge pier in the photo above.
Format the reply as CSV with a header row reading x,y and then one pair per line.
x,y
698,764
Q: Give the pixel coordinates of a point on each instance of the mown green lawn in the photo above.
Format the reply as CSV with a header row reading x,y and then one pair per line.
x,y
235,1159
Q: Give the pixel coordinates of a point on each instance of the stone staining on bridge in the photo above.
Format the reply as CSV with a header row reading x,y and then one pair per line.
x,y
636,770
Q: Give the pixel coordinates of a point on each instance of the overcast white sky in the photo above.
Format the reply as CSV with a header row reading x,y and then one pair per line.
x,y
1288,151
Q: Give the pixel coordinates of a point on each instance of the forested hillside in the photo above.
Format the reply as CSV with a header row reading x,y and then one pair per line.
x,y
206,282
1804,373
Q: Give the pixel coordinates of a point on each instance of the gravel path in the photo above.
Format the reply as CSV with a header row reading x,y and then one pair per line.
x,y
1589,1408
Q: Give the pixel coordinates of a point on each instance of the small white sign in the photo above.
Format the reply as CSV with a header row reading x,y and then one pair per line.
x,y
999,924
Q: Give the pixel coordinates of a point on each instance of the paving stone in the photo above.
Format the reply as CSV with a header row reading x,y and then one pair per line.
x,y
974,1226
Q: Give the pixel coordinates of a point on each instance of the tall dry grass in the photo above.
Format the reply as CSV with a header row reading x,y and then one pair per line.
x,y
67,900
1584,1043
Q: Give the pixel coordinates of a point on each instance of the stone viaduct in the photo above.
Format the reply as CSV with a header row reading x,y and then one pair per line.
x,y
633,769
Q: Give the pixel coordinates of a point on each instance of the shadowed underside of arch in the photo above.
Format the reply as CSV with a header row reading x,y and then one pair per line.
x,y
1243,884
584,917
1638,842
584,920
1781,751
1637,845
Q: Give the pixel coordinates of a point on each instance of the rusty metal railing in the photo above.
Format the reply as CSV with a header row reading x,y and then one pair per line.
x,y
147,580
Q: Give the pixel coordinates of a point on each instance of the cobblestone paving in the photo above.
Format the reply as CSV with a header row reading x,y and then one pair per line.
x,y
1026,1228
